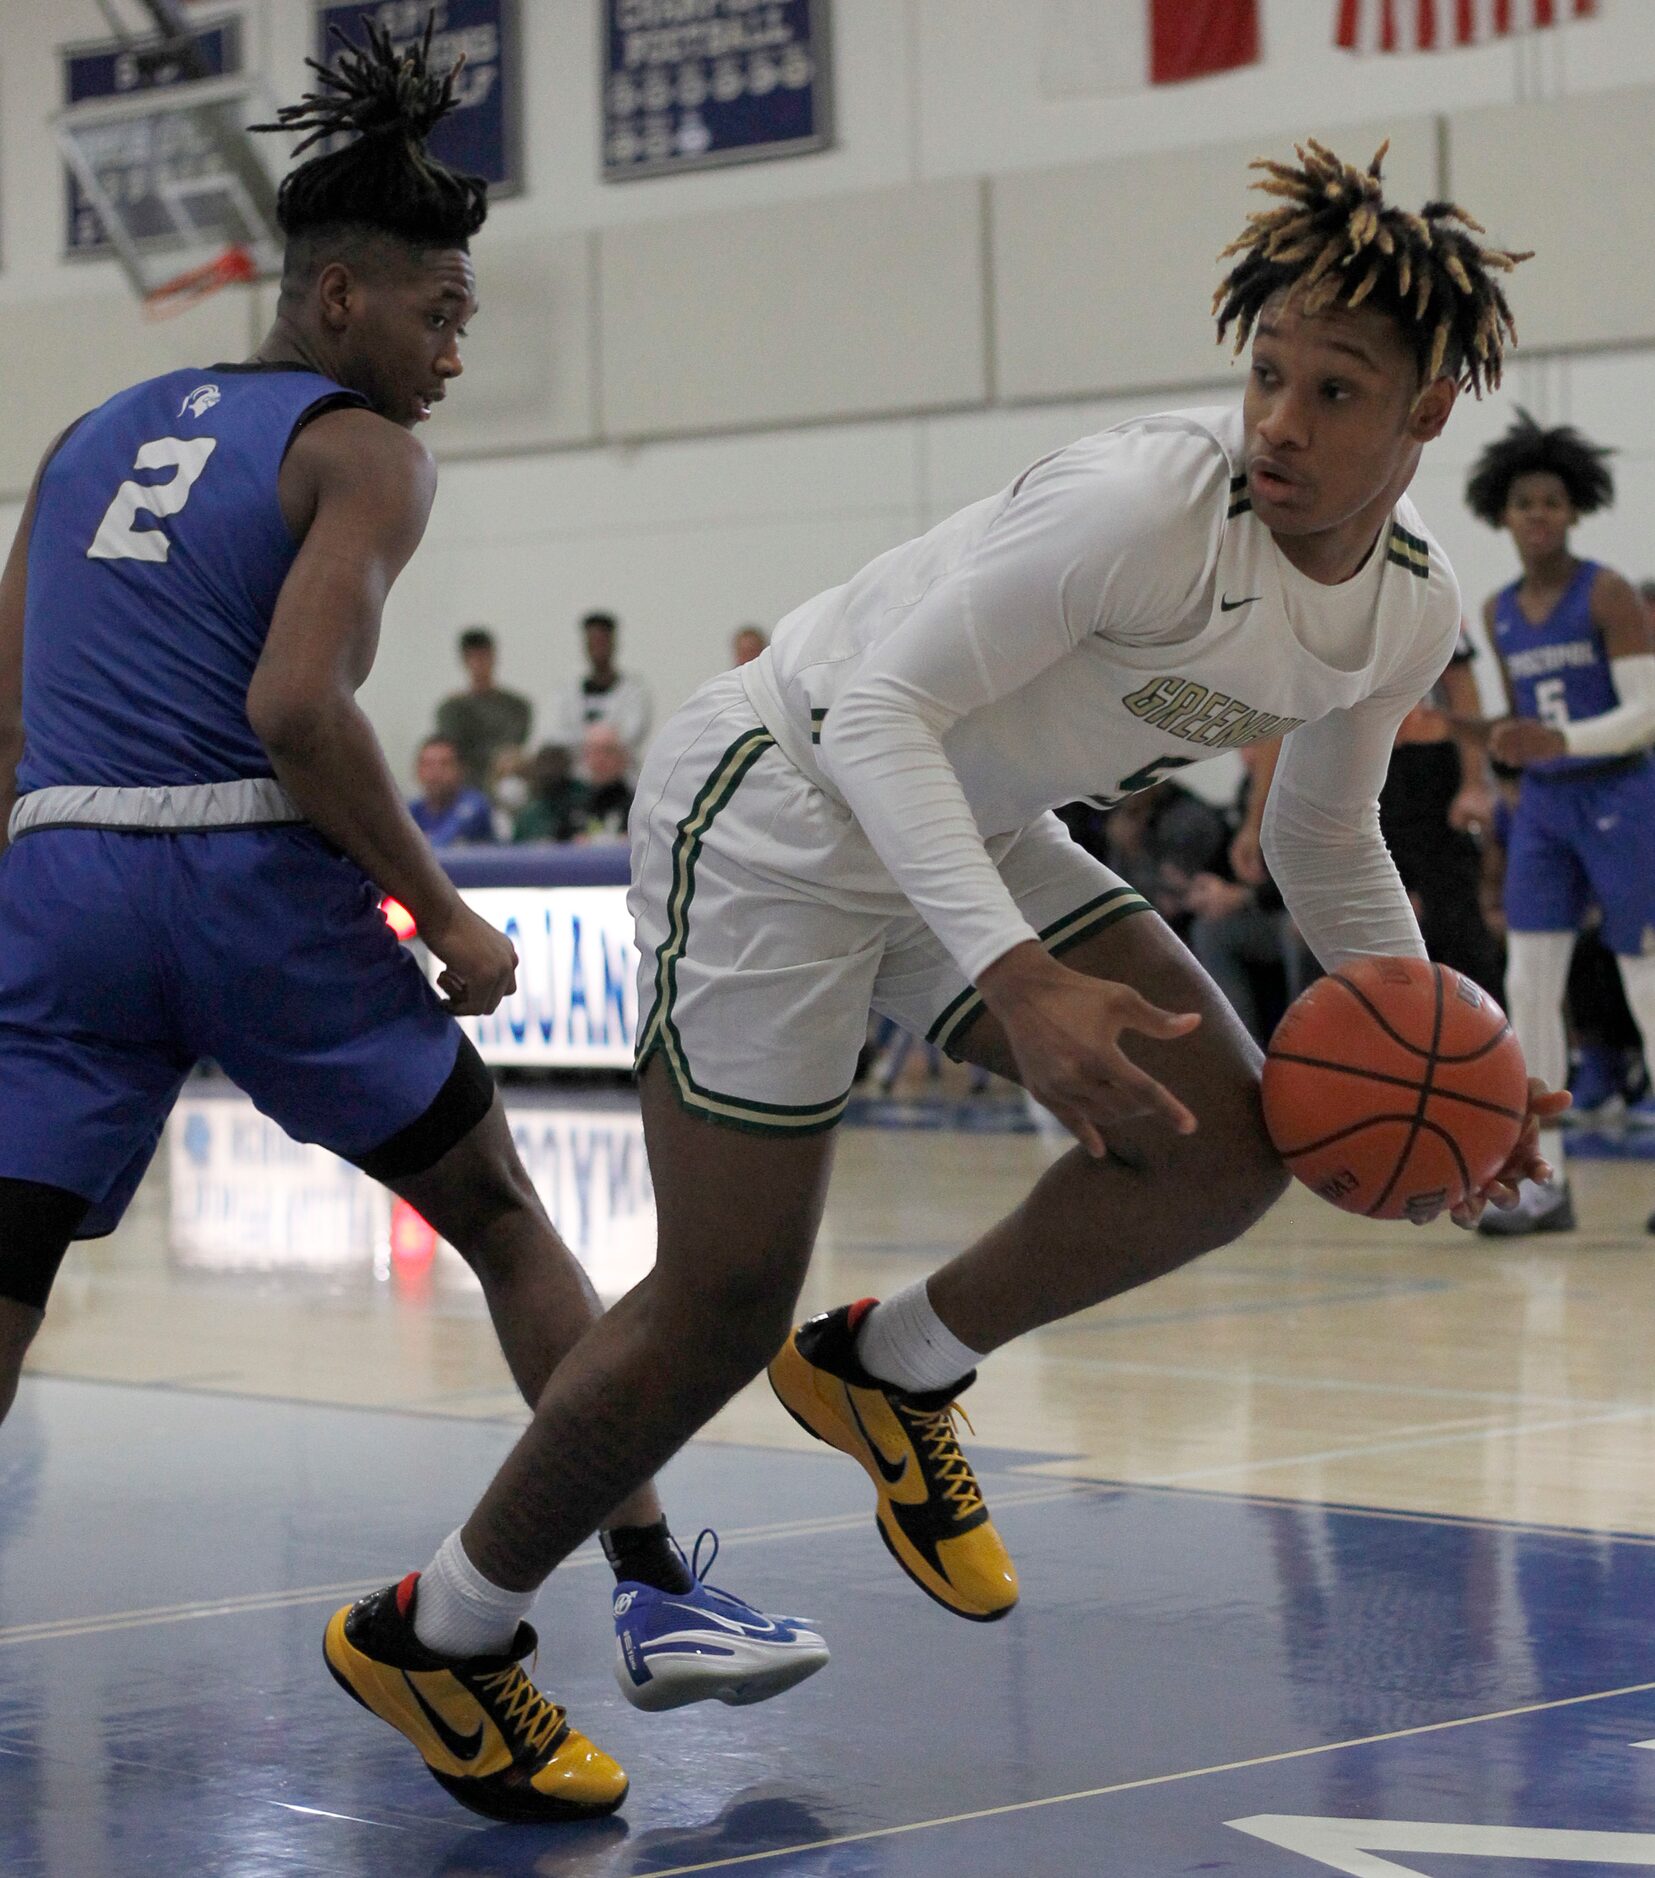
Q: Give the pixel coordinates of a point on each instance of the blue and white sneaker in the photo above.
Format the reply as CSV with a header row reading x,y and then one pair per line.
x,y
674,1647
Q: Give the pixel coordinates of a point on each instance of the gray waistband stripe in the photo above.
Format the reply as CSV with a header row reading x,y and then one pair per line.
x,y
171,808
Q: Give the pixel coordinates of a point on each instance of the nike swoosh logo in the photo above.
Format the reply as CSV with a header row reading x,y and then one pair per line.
x,y
740,1627
894,1474
1228,605
462,1747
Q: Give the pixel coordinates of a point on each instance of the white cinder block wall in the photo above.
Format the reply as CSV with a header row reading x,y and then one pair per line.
x,y
696,400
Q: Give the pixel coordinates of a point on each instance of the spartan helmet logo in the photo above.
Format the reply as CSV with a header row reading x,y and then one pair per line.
x,y
200,401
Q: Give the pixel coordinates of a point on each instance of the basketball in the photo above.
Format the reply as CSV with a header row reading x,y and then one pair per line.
x,y
1394,1088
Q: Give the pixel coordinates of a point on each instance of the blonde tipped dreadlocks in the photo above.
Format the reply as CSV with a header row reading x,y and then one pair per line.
x,y
1334,241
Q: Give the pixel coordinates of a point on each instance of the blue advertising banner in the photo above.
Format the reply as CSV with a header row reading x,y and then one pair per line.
x,y
130,155
689,84
481,136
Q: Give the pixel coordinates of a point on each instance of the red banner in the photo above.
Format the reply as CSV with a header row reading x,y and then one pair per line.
x,y
1191,38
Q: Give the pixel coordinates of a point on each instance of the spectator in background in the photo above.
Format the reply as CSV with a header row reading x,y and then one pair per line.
x,y
1240,929
608,793
1158,840
508,788
747,643
1437,804
604,695
556,808
1435,809
483,719
447,810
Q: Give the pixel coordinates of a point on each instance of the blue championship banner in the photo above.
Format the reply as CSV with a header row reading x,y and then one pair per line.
x,y
481,136
689,84
133,155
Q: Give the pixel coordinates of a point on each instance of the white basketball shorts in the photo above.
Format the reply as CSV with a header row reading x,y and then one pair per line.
x,y
768,928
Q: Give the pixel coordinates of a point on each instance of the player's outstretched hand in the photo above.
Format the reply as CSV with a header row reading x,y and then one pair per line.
x,y
1064,1031
1545,1105
479,962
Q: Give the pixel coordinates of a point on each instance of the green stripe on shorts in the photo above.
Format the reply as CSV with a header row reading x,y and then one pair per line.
x,y
659,1032
1116,903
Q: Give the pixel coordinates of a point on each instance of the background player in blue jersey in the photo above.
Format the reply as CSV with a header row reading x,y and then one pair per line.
x,y
1575,647
200,821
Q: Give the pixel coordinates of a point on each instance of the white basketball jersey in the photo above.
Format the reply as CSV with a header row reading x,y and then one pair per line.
x,y
1114,615
1201,637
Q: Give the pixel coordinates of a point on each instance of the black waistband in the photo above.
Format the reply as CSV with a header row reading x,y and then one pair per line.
x,y
1595,769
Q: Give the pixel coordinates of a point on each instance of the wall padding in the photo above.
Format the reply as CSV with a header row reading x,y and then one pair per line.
x,y
1104,274
850,306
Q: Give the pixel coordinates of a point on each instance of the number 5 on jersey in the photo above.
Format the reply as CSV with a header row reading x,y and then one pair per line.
x,y
117,539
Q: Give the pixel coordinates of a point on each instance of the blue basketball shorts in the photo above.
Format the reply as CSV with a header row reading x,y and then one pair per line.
x,y
127,958
1585,839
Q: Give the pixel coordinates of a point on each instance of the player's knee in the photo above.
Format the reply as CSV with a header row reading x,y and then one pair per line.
x,y
1246,1174
1230,1161
740,1318
489,1214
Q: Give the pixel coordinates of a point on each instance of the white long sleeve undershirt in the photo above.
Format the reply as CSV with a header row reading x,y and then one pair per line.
x,y
1121,547
1631,724
1321,837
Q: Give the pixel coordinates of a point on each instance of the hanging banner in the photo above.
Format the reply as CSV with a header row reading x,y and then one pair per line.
x,y
691,84
481,135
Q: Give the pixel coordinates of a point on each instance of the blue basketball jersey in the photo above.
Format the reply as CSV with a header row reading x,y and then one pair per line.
x,y
1558,670
156,555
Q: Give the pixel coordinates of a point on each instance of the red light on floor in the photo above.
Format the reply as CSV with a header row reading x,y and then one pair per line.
x,y
413,1238
398,918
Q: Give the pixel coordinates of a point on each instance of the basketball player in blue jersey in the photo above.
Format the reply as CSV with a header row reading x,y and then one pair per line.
x,y
1578,656
200,823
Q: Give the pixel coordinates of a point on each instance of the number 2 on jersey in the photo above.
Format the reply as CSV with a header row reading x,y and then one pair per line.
x,y
117,539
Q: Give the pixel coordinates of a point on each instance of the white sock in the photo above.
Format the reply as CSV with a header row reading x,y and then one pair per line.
x,y
1537,972
904,1341
458,1612
1638,982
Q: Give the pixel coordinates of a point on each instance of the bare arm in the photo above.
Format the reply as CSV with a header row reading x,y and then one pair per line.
x,y
361,490
14,594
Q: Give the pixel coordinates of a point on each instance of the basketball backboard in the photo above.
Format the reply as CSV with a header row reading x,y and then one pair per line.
x,y
165,168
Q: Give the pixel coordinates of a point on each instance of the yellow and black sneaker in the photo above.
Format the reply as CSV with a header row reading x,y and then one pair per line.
x,y
487,1733
931,1512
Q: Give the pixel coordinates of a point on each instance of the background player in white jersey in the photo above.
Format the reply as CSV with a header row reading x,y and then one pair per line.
x,y
203,820
1578,658
858,820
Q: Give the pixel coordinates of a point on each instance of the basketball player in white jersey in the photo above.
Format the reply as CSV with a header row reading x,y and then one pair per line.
x,y
860,820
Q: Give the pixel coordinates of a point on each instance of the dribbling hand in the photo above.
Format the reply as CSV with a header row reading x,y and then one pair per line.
x,y
479,962
1523,1163
1064,1028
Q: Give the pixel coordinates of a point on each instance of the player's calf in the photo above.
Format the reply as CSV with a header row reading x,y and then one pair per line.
x,y
18,1324
37,1223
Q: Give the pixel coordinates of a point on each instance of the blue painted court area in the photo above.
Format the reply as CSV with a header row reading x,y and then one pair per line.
x,y
1370,1693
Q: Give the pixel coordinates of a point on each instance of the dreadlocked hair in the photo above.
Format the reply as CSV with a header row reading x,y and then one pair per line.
x,y
1527,449
1333,240
383,180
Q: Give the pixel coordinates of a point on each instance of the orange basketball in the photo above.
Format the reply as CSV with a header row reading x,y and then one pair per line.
x,y
1394,1087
